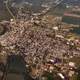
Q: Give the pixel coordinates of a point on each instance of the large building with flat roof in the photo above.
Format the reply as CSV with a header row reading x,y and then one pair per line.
x,y
72,17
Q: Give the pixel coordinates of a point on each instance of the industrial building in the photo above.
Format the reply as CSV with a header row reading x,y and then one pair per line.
x,y
72,17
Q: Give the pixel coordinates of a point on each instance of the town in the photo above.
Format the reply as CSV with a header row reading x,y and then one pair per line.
x,y
40,46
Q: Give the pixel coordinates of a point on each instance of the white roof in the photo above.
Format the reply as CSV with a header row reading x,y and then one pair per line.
x,y
55,28
60,36
71,64
61,75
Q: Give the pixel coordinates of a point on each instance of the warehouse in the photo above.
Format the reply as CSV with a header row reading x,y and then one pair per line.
x,y
71,18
